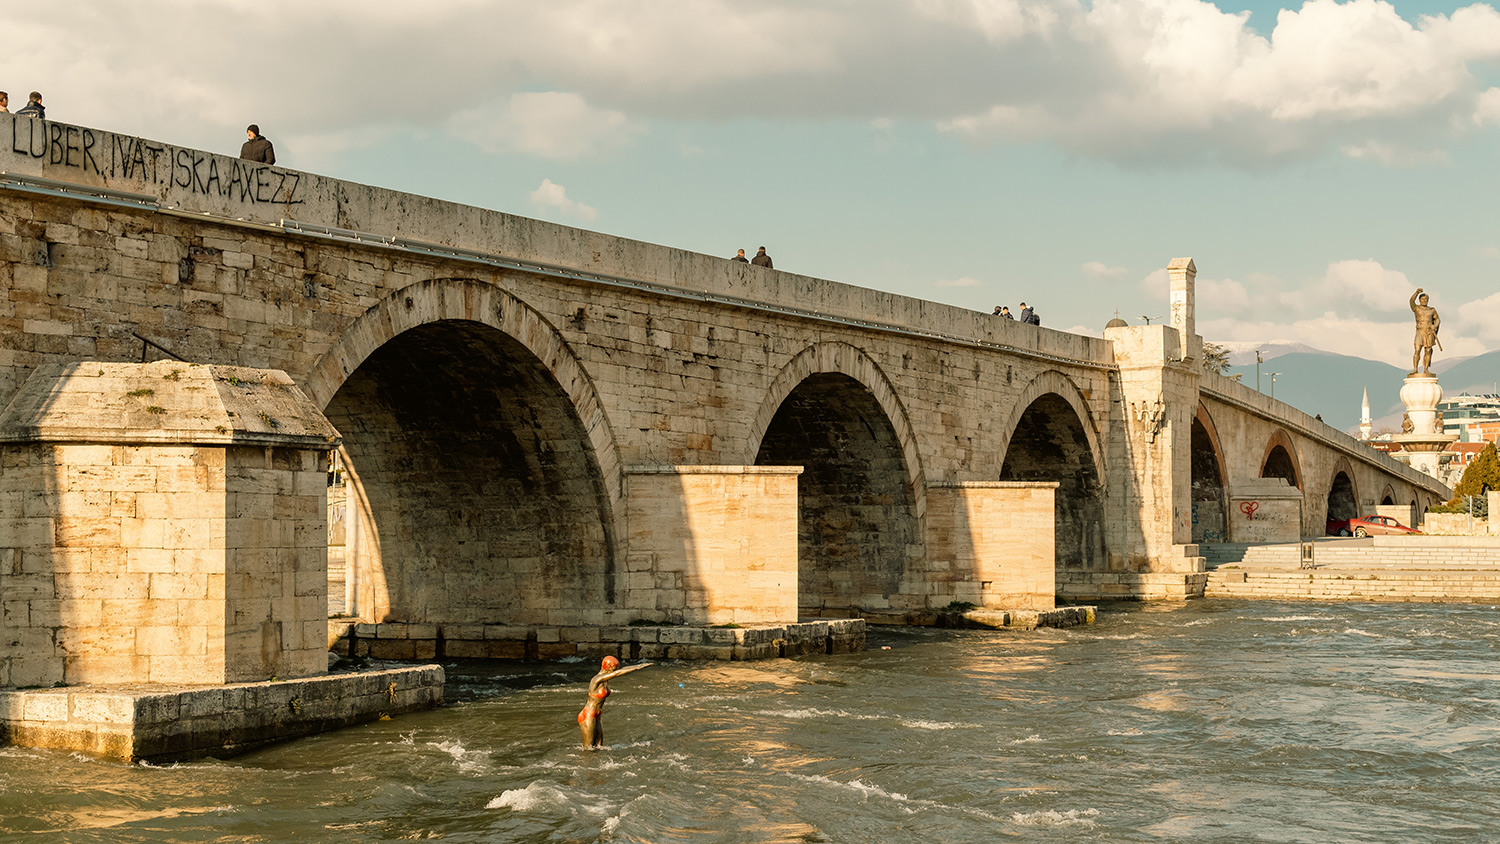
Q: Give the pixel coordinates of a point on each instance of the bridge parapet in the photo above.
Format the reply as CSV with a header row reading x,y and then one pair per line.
x,y
98,166
1259,404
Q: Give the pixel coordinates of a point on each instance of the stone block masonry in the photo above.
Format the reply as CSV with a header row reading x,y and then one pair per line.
x,y
163,723
496,379
499,641
165,524
713,544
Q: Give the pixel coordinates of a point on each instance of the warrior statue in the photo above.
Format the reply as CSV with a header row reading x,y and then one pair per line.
x,y
1427,334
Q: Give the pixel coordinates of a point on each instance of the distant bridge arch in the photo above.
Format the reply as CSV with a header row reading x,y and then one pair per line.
x,y
1210,480
1281,459
1051,436
1342,501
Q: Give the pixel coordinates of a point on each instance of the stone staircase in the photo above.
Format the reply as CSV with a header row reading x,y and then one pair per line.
x,y
1422,569
1349,585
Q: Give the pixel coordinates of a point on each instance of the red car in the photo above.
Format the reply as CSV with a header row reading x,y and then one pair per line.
x,y
1368,526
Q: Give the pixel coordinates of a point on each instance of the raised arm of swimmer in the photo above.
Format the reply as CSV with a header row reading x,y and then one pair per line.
x,y
591,719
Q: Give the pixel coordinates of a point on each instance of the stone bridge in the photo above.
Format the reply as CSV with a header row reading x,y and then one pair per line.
x,y
543,425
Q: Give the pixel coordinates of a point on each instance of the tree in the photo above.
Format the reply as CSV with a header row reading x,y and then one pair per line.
x,y
1215,358
1481,475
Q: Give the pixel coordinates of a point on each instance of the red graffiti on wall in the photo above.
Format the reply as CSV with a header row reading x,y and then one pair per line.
x,y
1249,508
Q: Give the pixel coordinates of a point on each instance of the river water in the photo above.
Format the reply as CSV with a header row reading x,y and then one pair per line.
x,y
1211,721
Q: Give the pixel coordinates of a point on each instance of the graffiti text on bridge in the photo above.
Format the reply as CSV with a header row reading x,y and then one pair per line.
x,y
120,156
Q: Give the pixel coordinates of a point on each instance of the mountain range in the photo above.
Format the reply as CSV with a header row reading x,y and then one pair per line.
x,y
1319,382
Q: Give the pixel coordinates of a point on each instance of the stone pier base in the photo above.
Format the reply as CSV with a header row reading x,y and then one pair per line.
x,y
499,641
1131,586
1021,619
161,723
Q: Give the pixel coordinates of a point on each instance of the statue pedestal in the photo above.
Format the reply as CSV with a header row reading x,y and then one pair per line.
x,y
1426,440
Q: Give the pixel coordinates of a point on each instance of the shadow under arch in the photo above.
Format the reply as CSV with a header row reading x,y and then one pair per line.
x,y
1281,459
1388,495
1343,495
860,496
482,465
1052,437
1210,480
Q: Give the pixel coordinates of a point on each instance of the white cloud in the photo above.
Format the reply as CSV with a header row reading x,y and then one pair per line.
x,y
1221,296
1357,307
1100,270
1156,285
551,124
1127,80
1480,317
1181,79
1368,282
963,281
555,196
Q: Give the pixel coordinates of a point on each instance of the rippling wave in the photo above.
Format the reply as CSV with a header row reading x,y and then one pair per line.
x,y
1211,721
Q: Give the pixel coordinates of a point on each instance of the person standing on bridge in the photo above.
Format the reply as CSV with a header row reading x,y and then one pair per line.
x,y
761,259
4,103
34,108
257,147
591,719
1028,316
741,257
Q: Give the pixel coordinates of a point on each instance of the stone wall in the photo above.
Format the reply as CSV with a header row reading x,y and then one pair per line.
x,y
1453,524
995,543
712,545
133,554
564,356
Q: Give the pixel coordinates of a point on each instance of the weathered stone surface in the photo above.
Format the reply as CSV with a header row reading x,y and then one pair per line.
x,y
500,382
672,642
162,563
163,723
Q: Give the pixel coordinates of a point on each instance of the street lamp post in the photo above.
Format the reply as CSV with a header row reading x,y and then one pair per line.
x,y
1272,376
1257,370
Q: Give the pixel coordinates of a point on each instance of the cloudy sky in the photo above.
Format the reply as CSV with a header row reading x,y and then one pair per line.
x,y
1319,162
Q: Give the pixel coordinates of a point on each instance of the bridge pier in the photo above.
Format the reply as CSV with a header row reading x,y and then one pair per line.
x,y
166,532
712,544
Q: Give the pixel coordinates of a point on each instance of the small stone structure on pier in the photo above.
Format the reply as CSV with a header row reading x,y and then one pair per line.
x,y
164,560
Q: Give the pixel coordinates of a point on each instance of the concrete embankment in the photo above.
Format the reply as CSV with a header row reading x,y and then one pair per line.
x,y
1429,569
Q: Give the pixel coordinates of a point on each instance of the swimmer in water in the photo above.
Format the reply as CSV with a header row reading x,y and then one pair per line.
x,y
591,719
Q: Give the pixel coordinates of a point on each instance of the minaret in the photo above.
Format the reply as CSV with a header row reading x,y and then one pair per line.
x,y
1365,424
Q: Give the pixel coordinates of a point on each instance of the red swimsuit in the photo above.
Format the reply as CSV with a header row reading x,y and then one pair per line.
x,y
593,711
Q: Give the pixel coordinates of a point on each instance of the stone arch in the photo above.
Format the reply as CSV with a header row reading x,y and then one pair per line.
x,y
1343,494
858,525
1281,459
483,467
1051,436
1210,480
438,300
1388,495
842,358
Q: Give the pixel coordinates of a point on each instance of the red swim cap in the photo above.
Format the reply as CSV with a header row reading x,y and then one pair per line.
x,y
609,664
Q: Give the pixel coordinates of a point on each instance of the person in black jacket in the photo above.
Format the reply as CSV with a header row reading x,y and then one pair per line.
x,y
1028,316
741,257
257,148
761,259
34,108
